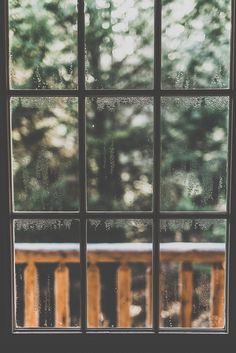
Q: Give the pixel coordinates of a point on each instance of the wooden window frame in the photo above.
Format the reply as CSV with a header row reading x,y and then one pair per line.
x,y
178,340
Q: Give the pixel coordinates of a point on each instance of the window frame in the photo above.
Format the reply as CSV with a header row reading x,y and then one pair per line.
x,y
184,339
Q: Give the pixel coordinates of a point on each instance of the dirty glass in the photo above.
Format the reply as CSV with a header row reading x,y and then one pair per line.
x,y
192,273
47,273
45,153
43,44
194,149
195,43
119,153
119,273
119,43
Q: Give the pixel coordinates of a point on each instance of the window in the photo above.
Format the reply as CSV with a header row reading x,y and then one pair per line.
x,y
117,166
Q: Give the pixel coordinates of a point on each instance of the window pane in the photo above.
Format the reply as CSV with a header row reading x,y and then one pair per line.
x,y
194,153
119,43
192,276
119,273
43,49
119,140
195,43
47,275
45,153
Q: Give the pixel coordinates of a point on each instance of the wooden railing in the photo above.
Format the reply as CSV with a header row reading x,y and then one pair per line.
x,y
124,254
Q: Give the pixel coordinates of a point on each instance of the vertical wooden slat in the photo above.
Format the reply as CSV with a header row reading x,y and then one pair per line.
x,y
62,297
94,295
217,295
149,296
161,295
123,295
31,296
186,294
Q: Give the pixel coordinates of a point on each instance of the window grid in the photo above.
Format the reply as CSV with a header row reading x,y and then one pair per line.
x,y
156,215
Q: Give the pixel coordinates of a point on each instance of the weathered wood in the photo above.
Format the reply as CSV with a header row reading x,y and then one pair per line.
x,y
123,295
149,296
186,253
161,295
62,305
121,252
94,295
31,296
217,295
186,294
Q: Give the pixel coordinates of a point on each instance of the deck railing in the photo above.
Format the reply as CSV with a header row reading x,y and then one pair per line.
x,y
124,254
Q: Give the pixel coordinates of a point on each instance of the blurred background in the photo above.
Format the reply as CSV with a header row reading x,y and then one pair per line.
x,y
194,131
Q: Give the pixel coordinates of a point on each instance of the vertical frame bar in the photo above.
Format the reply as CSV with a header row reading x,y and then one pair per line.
x,y
82,162
156,162
231,263
6,278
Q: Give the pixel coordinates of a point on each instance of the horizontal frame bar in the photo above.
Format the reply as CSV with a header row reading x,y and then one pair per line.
x,y
120,330
117,214
119,93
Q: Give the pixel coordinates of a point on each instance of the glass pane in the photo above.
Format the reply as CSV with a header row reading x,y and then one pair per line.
x,y
194,153
119,273
47,273
119,43
43,44
195,43
45,153
119,140
192,276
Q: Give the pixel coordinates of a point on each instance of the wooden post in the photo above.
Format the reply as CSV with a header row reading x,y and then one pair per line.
x,y
217,295
62,298
94,295
31,296
186,294
161,294
149,296
123,295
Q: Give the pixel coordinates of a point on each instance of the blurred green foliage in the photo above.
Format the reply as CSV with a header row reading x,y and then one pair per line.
x,y
119,54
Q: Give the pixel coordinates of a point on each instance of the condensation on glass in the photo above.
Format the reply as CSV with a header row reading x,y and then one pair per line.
x,y
119,152
43,44
119,44
45,153
196,44
194,149
119,273
47,273
192,273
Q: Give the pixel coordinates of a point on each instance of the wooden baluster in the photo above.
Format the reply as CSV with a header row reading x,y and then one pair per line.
x,y
149,296
31,296
62,297
123,295
94,295
161,294
217,295
186,294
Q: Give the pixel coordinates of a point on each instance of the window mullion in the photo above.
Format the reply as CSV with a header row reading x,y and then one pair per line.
x,y
156,161
82,161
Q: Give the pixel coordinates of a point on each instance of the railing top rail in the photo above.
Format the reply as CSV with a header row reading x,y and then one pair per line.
x,y
120,252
